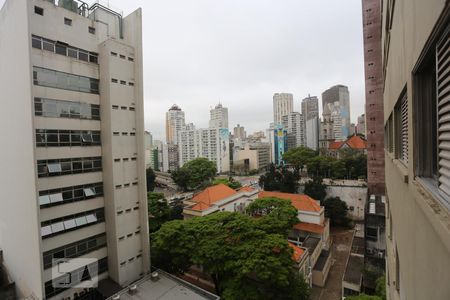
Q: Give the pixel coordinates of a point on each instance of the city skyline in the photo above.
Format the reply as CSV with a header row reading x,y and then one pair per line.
x,y
240,54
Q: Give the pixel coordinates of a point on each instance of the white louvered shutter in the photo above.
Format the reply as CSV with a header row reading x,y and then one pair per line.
x,y
443,99
404,129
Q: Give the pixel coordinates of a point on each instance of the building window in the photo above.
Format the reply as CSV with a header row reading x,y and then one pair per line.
x,y
389,135
39,10
69,194
401,128
431,79
66,138
66,81
130,59
68,21
59,167
91,30
51,108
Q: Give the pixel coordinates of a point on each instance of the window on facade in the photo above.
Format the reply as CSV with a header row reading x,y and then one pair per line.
x,y
36,42
71,166
401,128
431,79
63,138
60,49
68,21
91,30
39,10
66,81
389,135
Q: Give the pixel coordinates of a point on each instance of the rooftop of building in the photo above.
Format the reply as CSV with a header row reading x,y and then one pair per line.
x,y
354,142
309,227
311,243
358,245
298,252
322,260
211,195
166,287
300,202
354,268
376,205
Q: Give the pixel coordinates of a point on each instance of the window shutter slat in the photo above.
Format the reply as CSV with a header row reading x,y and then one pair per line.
x,y
404,128
443,98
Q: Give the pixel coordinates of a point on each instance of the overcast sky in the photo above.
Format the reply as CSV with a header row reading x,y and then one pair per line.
x,y
241,52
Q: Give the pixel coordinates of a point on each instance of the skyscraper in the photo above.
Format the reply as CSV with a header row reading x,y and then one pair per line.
x,y
218,117
337,100
283,104
310,107
361,125
239,132
76,150
175,122
294,123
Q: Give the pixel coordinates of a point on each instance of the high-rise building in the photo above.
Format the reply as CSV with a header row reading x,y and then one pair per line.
x,y
294,123
283,104
361,125
326,132
239,132
148,148
218,117
175,122
408,42
312,133
310,107
279,144
337,99
76,153
211,143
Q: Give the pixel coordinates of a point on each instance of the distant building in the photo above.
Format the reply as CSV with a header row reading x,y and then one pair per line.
x,y
294,123
361,125
148,139
355,143
279,144
252,157
173,157
283,104
257,136
326,133
352,129
337,101
175,122
218,117
310,107
219,198
211,143
312,133
239,132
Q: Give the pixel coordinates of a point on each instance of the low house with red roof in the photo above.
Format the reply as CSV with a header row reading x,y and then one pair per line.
x,y
219,198
355,142
302,262
311,233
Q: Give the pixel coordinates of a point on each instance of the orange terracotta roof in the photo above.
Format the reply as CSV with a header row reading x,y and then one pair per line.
x,y
246,189
298,252
356,142
335,145
300,202
211,195
309,227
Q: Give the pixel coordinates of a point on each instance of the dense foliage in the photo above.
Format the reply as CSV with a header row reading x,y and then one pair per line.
x,y
279,179
336,210
316,189
194,174
243,260
159,211
363,297
150,176
231,182
298,157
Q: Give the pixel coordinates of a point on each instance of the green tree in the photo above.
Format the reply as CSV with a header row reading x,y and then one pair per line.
x,y
298,157
158,210
231,182
336,210
316,189
150,176
244,261
279,214
194,174
280,179
380,289
363,297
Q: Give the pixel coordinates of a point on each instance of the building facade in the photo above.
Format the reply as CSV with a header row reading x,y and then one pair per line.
x,y
310,107
239,132
283,104
218,117
294,123
74,95
312,133
279,144
337,99
415,46
175,122
361,125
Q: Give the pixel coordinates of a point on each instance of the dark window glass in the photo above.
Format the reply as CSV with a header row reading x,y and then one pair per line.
x,y
76,138
36,43
40,137
71,52
49,46
60,80
71,251
92,243
61,49
78,193
87,164
91,30
67,195
77,166
93,58
81,247
64,137
39,10
82,55
68,21
59,254
66,166
52,137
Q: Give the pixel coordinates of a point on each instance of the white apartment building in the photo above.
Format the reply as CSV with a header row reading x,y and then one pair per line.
x,y
175,122
211,143
218,117
72,86
283,104
295,123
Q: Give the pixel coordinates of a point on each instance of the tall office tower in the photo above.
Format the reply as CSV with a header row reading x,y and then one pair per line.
x,y
75,154
283,104
326,131
294,123
312,133
172,157
239,132
148,138
218,117
211,143
416,117
175,122
361,125
337,98
310,107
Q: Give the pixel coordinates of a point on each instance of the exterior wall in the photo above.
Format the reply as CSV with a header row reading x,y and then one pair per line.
x,y
251,155
418,222
283,104
372,25
219,117
310,107
354,196
175,122
312,133
22,256
338,101
311,217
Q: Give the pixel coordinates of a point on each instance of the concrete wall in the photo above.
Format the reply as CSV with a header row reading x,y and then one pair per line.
x,y
353,196
419,222
19,208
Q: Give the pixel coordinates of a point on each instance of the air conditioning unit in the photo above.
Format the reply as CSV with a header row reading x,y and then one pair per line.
x,y
133,289
154,276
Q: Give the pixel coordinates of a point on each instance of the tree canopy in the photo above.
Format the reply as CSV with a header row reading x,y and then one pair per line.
x,y
336,210
231,182
316,189
150,176
160,211
299,156
195,173
243,260
279,179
